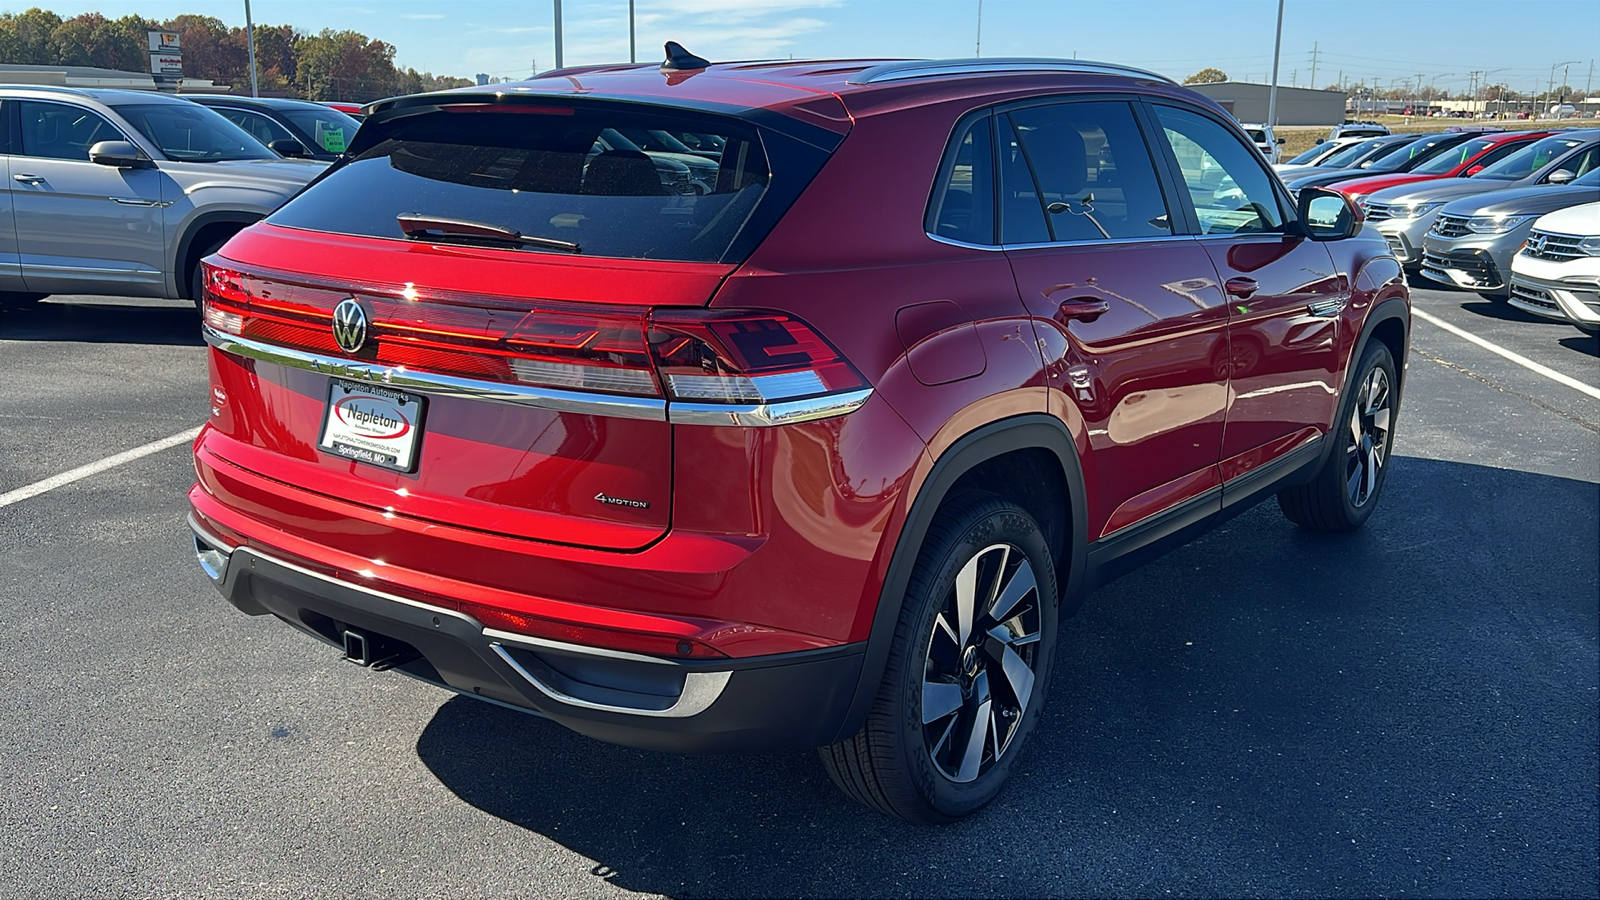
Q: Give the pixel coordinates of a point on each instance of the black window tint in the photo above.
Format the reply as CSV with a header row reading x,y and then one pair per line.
x,y
1086,171
59,131
1231,191
1021,214
1579,163
574,178
5,126
962,208
260,127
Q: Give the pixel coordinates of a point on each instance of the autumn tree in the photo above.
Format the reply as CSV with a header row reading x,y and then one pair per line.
x,y
29,37
1207,76
345,65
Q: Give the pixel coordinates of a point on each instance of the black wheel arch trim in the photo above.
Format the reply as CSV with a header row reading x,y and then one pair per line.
x,y
1394,308
1029,431
180,274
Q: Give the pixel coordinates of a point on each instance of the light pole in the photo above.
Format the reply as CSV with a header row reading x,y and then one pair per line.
x,y
250,40
558,34
1272,93
633,54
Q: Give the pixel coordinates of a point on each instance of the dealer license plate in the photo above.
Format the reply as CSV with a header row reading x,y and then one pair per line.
x,y
372,424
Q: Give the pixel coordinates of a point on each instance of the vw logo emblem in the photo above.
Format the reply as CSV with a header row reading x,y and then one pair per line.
x,y
349,325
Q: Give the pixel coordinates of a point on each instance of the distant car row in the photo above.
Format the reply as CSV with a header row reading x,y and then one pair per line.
x,y
1458,206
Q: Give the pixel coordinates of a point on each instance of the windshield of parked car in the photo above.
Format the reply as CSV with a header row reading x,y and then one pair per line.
x,y
1256,135
546,178
1445,163
193,133
329,129
1529,159
1414,153
1309,155
1352,153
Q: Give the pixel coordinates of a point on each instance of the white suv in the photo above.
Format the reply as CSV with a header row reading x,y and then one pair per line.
x,y
1557,272
1270,145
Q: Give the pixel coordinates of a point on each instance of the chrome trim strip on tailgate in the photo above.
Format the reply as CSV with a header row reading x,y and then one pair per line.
x,y
758,415
443,385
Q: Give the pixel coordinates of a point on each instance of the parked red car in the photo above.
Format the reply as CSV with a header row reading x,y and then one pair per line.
x,y
1463,161
818,457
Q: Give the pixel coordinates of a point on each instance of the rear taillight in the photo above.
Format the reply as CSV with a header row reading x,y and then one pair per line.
x,y
713,366
713,356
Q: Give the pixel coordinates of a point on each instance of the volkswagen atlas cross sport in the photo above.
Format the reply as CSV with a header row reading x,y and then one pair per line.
x,y
820,457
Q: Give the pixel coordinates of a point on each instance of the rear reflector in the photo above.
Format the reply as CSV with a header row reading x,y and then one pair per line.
x,y
737,359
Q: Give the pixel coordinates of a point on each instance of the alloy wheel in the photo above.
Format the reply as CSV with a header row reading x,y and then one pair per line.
x,y
1367,451
978,672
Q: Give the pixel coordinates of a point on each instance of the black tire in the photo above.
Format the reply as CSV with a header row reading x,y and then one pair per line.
x,y
1494,297
17,300
196,280
1346,489
895,764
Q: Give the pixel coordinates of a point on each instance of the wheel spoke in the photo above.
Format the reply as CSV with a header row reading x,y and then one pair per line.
x,y
1380,420
966,598
1021,584
939,699
1378,392
1018,638
1353,485
940,623
1355,427
1018,677
972,753
1372,473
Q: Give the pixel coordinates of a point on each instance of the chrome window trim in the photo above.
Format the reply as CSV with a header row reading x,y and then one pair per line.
x,y
1102,242
759,415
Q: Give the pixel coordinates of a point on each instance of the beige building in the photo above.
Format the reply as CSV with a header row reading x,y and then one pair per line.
x,y
1296,106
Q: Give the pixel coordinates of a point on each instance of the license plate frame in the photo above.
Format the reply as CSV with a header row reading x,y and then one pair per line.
x,y
373,425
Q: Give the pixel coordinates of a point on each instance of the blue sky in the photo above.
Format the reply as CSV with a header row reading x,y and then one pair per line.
x,y
1363,39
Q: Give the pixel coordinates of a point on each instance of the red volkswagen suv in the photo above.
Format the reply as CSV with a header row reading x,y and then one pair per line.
x,y
779,405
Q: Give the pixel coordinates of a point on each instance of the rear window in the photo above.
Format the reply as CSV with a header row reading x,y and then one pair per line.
x,y
1256,135
594,181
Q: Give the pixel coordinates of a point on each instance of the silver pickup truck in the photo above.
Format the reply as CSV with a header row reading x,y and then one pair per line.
x,y
123,192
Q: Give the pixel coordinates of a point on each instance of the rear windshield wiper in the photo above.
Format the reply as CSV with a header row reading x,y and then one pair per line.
x,y
420,227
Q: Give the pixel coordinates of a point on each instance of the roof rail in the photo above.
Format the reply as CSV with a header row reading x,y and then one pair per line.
x,y
933,68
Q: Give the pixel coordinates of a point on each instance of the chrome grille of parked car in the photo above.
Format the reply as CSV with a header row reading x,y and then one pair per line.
x,y
1533,297
1377,212
1552,246
1450,226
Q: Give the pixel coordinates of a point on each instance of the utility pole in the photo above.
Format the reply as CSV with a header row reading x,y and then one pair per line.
x,y
250,39
1294,77
1590,82
1313,65
558,34
1272,93
633,53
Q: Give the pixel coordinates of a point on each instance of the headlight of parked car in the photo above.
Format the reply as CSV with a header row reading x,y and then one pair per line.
x,y
1412,210
1494,224
1590,246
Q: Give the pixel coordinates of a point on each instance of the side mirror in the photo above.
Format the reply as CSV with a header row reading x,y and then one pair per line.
x,y
121,154
1281,141
1559,176
288,148
1328,215
1472,171
1322,140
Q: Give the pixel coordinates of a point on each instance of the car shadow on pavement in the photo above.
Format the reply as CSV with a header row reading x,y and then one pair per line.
x,y
1583,343
1505,312
102,323
1410,707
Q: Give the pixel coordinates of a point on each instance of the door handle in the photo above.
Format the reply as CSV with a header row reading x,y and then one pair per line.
x,y
1241,287
125,201
1085,308
27,179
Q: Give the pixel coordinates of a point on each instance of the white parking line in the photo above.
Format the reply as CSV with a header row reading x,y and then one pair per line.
x,y
1517,358
81,472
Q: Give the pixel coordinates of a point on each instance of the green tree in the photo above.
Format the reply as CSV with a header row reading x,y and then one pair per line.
x,y
1207,76
345,65
35,37
93,40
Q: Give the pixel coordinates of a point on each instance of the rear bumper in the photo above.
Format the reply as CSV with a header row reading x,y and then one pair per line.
x,y
766,703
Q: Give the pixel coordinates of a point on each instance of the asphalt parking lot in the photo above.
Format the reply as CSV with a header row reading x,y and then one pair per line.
x,y
1411,710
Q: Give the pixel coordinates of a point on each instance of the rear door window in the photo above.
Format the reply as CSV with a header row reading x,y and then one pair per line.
x,y
1077,172
963,207
564,176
